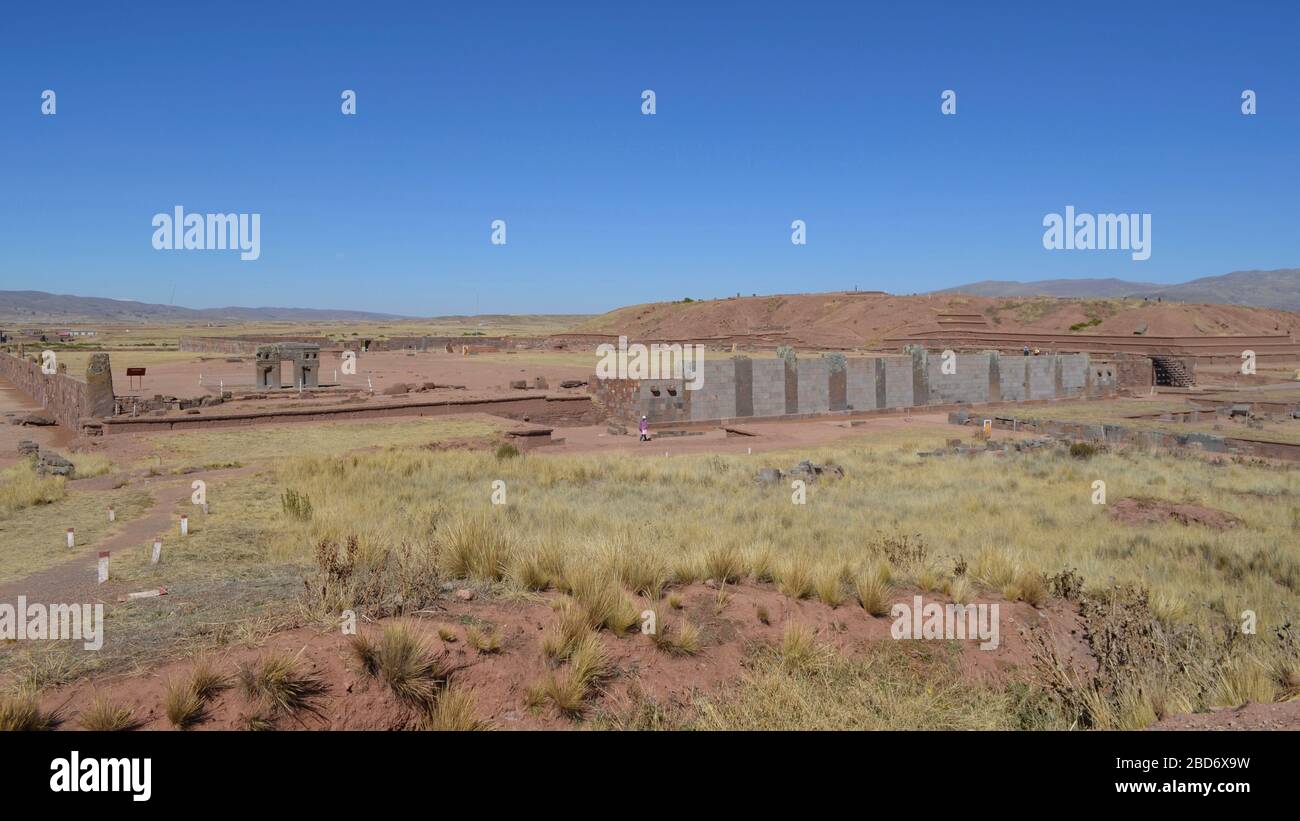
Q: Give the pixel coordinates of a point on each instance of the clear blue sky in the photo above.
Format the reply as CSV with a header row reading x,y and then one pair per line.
x,y
530,112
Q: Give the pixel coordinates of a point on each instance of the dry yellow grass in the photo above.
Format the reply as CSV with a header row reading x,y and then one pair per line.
x,y
274,442
35,513
589,526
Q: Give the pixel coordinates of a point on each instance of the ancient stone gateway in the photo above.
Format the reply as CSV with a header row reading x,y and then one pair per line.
x,y
306,364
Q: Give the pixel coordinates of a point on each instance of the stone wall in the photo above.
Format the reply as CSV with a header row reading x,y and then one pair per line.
x,y
245,345
1135,374
1112,434
742,387
65,399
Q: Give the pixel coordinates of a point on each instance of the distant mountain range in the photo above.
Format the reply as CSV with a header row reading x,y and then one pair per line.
x,y
39,305
1278,289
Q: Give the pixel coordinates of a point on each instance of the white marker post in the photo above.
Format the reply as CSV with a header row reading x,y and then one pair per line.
x,y
157,551
112,515
103,566
71,538
185,525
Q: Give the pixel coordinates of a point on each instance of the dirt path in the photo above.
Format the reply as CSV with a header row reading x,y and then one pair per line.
x,y
75,579
15,403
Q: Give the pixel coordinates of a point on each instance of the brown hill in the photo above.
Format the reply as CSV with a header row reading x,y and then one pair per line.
x,y
863,320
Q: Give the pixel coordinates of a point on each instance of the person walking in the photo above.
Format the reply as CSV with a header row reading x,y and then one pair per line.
x,y
645,429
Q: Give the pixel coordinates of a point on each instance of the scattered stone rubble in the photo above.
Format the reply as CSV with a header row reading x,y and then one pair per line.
x,y
958,447
33,419
52,464
48,463
806,470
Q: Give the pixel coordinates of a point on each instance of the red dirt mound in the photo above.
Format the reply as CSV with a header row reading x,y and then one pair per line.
x,y
1145,511
853,320
731,623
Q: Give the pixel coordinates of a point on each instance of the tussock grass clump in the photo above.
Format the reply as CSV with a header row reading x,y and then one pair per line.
x,y
474,547
20,710
929,578
21,488
454,712
800,651
568,690
1032,587
724,563
505,450
646,576
1170,608
182,704
411,670
795,578
604,602
207,680
104,715
1241,680
959,590
873,590
539,567
993,567
484,641
680,639
762,563
282,684
90,465
830,587
1082,450
365,652
296,505
573,624
185,701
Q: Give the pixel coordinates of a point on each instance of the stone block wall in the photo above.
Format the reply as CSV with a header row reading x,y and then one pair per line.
x,y
65,398
1135,374
741,387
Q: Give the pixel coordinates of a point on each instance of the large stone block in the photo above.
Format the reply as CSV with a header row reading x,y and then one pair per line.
x,y
99,386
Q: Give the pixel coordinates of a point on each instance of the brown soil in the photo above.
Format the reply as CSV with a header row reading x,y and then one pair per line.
x,y
1147,511
860,320
14,404
499,681
1249,716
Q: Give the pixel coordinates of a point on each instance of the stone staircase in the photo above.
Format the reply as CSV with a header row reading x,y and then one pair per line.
x,y
1170,371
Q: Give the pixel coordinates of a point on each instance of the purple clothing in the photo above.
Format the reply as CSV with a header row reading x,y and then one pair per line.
x,y
645,426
